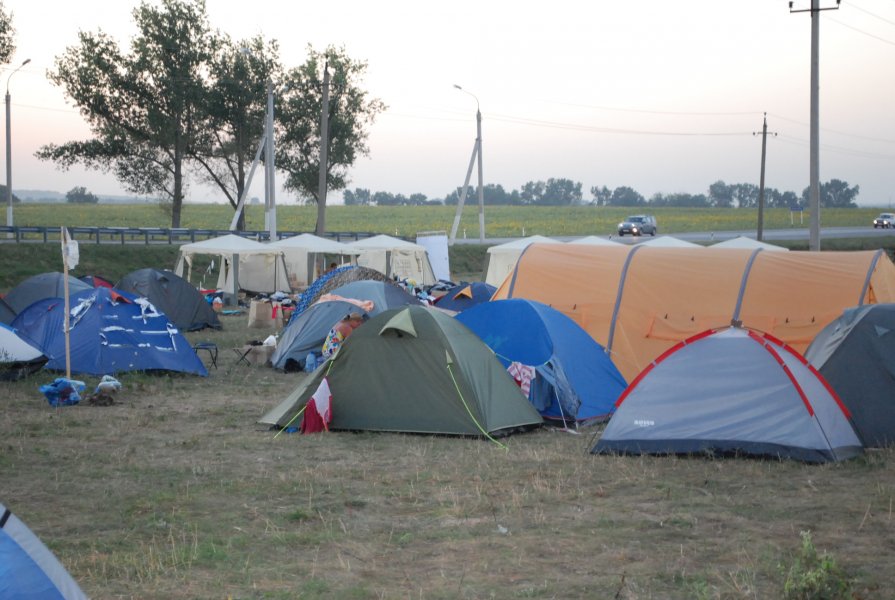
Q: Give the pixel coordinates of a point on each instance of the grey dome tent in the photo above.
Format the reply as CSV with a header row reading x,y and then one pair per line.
x,y
731,391
176,297
7,314
414,370
45,285
307,332
856,354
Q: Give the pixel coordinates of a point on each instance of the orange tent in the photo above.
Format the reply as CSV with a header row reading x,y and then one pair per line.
x,y
639,301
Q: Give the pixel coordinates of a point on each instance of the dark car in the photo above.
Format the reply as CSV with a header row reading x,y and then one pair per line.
x,y
638,225
884,220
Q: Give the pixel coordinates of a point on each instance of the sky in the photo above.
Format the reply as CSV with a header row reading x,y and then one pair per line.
x,y
664,97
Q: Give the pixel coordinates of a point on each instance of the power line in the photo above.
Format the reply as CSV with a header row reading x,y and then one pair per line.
x,y
874,15
861,31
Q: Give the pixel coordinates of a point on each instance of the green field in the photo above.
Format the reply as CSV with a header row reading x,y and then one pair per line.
x,y
500,221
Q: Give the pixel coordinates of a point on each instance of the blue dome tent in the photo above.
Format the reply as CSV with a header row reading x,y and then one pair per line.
x,y
575,381
110,332
27,567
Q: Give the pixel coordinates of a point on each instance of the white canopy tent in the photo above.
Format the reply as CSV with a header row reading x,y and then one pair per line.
x,y
593,240
667,241
742,241
502,258
306,256
395,258
244,264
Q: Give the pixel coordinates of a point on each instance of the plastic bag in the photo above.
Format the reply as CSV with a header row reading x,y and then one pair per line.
x,y
63,392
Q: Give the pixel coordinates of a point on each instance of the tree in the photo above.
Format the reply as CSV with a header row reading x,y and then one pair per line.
x,y
721,195
233,112
351,111
561,192
834,194
360,196
745,194
142,107
7,35
601,195
532,192
625,196
80,195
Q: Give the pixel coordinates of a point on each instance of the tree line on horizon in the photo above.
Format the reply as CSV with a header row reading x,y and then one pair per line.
x,y
834,193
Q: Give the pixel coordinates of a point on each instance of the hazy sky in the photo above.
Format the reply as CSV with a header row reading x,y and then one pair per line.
x,y
660,96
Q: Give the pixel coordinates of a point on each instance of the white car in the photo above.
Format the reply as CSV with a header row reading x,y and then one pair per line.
x,y
885,220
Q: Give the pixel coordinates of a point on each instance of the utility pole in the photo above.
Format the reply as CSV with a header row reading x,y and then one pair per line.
x,y
814,150
324,154
764,146
270,204
476,153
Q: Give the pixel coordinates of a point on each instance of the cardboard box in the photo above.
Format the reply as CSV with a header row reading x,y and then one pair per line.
x,y
265,315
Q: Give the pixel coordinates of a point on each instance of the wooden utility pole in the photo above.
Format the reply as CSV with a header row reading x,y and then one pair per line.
x,y
764,146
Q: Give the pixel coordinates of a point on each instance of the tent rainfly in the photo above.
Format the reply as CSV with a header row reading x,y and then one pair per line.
x,y
574,379
416,370
174,296
856,354
244,264
28,569
667,241
395,258
731,391
17,357
38,287
308,255
638,301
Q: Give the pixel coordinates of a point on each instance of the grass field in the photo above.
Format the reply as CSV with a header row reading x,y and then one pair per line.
x,y
175,492
500,221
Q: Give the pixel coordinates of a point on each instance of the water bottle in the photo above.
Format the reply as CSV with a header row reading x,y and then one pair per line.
x,y
310,362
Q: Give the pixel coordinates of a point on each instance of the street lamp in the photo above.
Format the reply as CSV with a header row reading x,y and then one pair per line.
x,y
476,152
9,149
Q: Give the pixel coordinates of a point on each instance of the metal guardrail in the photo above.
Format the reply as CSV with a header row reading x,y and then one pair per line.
x,y
150,235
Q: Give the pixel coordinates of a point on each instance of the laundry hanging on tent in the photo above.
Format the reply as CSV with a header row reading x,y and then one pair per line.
x,y
318,412
522,375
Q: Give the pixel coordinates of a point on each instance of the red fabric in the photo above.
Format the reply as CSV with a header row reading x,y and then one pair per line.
x,y
312,422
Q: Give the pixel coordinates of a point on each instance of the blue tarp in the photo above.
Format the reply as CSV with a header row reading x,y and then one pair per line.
x,y
110,332
575,377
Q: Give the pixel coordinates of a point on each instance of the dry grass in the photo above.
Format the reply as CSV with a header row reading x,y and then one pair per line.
x,y
175,492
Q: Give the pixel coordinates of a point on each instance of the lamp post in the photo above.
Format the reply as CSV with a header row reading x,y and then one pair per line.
x,y
476,152
9,149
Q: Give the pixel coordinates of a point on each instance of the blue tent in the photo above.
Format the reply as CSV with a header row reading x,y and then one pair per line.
x,y
466,295
110,332
307,333
575,379
27,567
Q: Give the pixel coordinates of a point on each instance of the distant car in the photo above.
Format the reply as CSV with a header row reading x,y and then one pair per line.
x,y
638,225
885,220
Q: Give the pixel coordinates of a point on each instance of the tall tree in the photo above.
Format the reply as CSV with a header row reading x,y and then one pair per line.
x,y
601,195
7,35
234,108
835,193
351,112
142,107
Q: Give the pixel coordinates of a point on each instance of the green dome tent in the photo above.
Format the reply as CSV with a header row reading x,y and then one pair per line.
x,y
417,370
